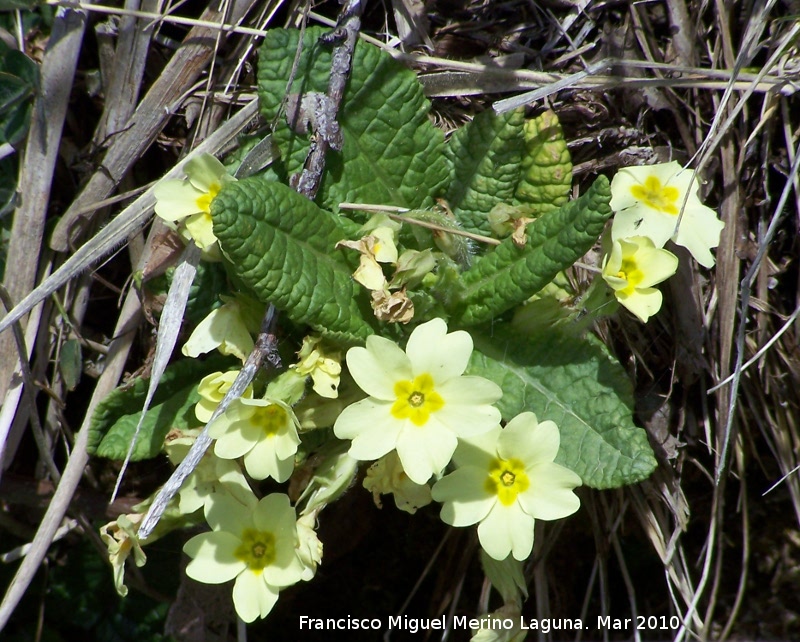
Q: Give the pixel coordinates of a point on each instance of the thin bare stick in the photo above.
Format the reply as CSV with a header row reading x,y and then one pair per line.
x,y
392,212
328,134
127,222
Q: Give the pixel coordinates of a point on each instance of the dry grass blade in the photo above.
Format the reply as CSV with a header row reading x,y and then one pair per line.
x,y
126,223
41,153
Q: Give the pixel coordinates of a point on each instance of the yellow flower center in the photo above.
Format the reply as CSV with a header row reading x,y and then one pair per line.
x,y
257,549
660,197
629,270
416,400
272,419
204,200
507,479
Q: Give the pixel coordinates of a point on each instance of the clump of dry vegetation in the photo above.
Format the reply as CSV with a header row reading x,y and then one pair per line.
x,y
713,537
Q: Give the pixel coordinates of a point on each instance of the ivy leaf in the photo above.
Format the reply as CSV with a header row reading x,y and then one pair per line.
x,y
506,277
576,383
546,165
114,422
486,155
392,154
281,247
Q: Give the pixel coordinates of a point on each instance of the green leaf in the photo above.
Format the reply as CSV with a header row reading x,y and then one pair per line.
x,y
19,78
546,166
70,362
114,421
281,246
510,274
392,153
576,383
486,155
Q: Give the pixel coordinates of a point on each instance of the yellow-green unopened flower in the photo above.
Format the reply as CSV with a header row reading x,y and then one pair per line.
x,y
632,268
323,364
262,431
505,480
122,540
189,201
419,403
647,201
387,476
229,328
212,389
252,542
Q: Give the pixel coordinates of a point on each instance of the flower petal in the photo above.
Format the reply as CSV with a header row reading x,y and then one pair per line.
x,y
204,170
201,229
642,221
469,390
224,512
644,302
232,443
507,529
425,450
526,439
252,596
479,450
362,416
441,355
262,461
372,428
378,367
464,495
550,495
657,265
175,199
213,559
700,230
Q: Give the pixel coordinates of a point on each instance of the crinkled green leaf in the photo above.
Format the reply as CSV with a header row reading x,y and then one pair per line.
x,y
114,421
576,383
486,155
510,274
281,246
392,153
546,165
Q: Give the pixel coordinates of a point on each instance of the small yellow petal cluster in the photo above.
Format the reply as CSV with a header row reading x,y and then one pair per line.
x,y
386,476
122,541
323,364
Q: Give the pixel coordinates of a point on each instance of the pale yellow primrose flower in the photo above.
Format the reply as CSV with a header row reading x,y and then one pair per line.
x,y
419,403
632,267
263,431
212,475
505,480
386,476
322,364
212,389
229,328
255,544
122,539
647,201
189,200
